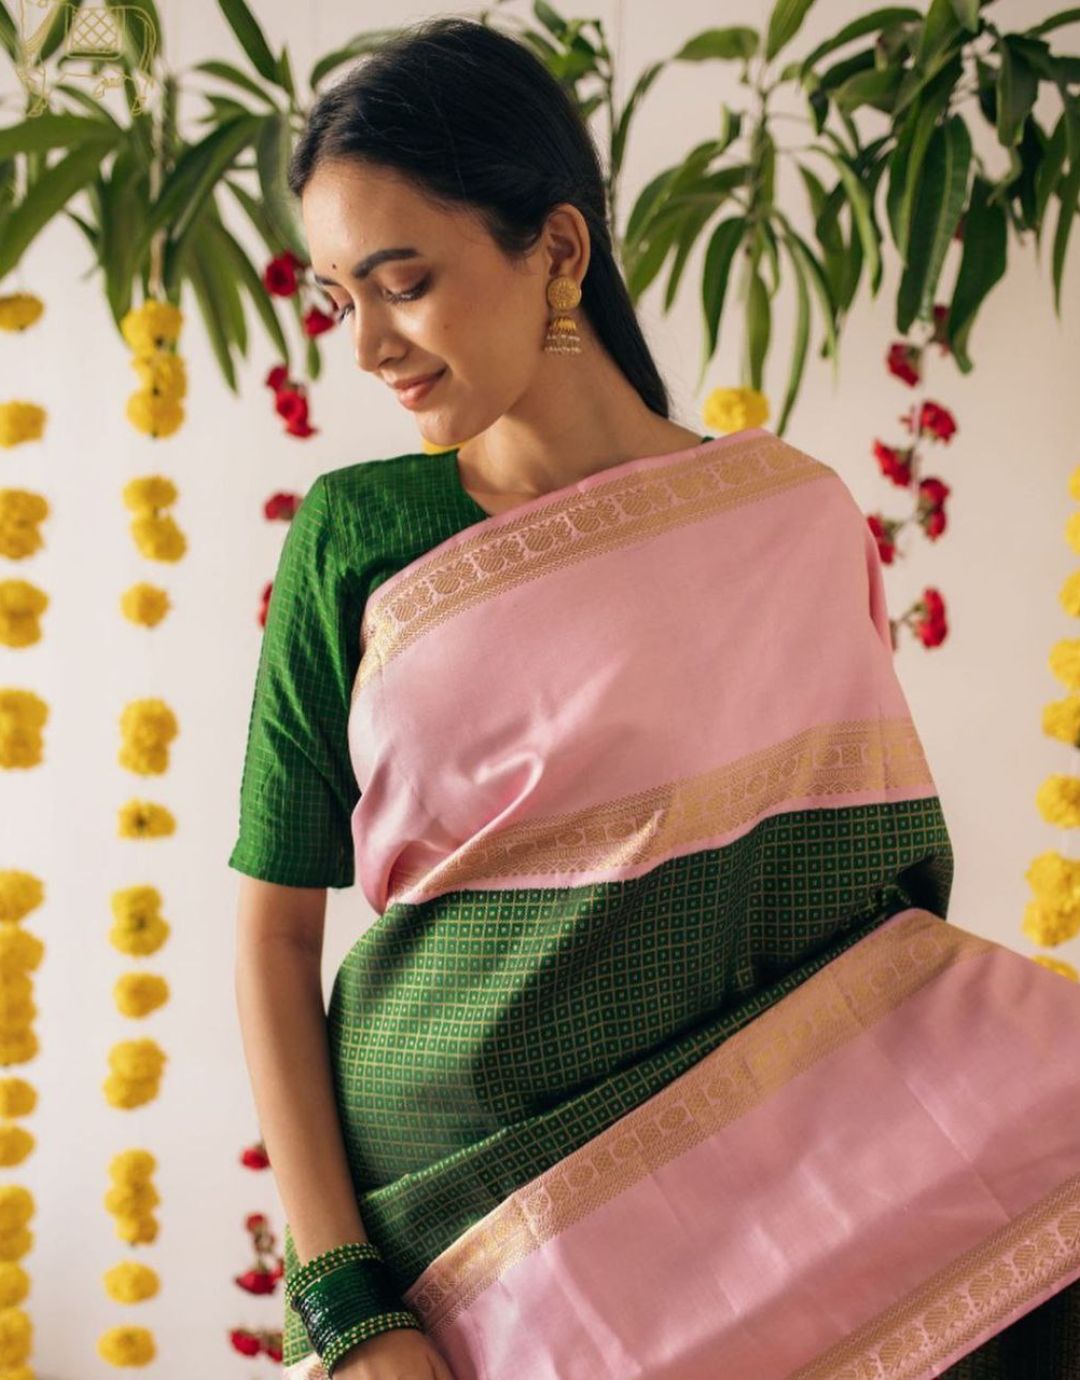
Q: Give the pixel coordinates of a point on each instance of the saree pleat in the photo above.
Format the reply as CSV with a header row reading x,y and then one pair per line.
x,y
661,1058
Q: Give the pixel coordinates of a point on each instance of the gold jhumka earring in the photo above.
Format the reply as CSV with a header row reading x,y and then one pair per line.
x,y
562,333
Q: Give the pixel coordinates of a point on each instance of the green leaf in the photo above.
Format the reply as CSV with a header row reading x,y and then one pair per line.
x,y
9,35
716,274
225,71
982,265
694,217
553,22
216,327
940,29
1049,173
875,87
819,283
220,280
196,173
48,196
800,341
758,327
252,39
123,196
1067,192
1016,91
650,197
736,41
61,20
1055,21
43,132
143,36
622,127
890,17
967,13
906,170
863,214
235,257
285,76
941,198
272,150
784,23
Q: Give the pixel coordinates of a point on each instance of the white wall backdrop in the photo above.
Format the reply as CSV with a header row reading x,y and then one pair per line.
x,y
977,700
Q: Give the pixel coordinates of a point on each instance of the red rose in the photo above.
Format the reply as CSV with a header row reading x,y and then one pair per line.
x,y
279,275
290,403
932,632
300,427
933,491
281,505
894,464
256,1281
903,361
316,321
883,537
934,523
263,607
937,422
246,1343
255,1156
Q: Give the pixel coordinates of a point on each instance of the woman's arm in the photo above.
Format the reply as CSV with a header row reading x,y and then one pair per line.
x,y
283,1027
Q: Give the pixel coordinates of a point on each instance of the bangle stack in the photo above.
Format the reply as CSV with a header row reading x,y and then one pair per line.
x,y
346,1295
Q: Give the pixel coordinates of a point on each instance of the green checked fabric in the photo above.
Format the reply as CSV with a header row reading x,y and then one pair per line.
x,y
298,788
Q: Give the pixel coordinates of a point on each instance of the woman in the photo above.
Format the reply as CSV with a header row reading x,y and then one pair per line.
x,y
660,1058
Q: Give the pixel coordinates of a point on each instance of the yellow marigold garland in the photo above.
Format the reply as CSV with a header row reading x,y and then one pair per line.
x,y
734,409
147,727
20,513
143,819
1052,916
21,605
23,715
18,310
152,330
146,605
21,421
140,929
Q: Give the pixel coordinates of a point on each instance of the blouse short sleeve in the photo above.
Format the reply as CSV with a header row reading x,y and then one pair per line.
x,y
298,789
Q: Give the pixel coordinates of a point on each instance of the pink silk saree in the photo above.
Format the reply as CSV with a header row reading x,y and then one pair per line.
x,y
661,1059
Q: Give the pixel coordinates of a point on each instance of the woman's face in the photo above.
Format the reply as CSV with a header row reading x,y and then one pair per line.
x,y
455,304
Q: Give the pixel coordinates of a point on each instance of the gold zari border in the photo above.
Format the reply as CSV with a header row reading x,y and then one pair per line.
x,y
574,527
837,1004
827,763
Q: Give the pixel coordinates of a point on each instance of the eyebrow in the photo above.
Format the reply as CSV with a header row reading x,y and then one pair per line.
x,y
361,270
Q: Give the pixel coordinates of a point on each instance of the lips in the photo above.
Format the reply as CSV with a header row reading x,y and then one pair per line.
x,y
413,395
415,383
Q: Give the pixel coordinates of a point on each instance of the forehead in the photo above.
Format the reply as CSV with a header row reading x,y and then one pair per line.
x,y
358,217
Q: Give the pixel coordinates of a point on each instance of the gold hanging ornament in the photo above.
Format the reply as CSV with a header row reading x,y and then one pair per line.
x,y
562,333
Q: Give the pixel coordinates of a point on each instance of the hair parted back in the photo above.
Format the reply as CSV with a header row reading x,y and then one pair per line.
x,y
472,117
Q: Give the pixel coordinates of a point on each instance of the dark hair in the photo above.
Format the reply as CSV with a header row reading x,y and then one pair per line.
x,y
473,117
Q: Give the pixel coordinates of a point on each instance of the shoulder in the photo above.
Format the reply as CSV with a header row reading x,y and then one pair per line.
x,y
830,500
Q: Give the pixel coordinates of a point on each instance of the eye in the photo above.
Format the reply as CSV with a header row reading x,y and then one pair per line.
x,y
410,296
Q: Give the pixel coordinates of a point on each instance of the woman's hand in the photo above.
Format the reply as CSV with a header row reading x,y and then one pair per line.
x,y
400,1353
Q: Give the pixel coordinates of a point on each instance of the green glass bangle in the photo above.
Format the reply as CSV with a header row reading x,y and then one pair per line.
x,y
321,1264
346,1299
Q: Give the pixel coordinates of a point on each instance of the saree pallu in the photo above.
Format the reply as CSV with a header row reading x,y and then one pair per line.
x,y
661,1059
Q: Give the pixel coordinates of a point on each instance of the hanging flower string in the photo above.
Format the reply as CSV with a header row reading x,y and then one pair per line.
x,y
264,1276
1052,916
286,275
926,422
